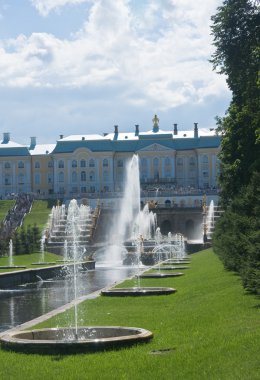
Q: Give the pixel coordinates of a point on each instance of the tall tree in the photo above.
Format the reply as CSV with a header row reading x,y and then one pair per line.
x,y
236,31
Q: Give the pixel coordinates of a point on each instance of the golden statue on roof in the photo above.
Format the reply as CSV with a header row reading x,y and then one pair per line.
x,y
155,121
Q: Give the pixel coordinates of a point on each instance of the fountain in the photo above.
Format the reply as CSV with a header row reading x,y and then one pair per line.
x,y
210,219
131,224
42,253
11,260
75,339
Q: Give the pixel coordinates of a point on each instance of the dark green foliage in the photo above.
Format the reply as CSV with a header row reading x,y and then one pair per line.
x,y
3,247
36,236
26,240
236,31
237,235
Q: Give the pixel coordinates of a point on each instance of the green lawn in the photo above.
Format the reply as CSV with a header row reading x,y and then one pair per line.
x,y
4,207
210,326
27,260
39,214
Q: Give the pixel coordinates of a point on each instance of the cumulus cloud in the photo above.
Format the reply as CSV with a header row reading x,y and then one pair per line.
x,y
166,68
44,7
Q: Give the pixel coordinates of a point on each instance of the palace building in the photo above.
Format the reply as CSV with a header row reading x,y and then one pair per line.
x,y
93,166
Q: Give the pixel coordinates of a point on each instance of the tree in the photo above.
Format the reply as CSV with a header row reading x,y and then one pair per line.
x,y
236,31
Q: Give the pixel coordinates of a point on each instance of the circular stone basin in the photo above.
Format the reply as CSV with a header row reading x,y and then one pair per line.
x,y
142,291
170,268
160,275
64,340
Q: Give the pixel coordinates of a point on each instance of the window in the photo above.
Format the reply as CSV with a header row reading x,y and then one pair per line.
x,y
20,179
37,165
74,177
167,161
74,189
82,163
83,176
156,162
7,180
83,189
105,163
49,177
92,189
74,164
91,163
120,163
144,162
61,177
205,174
37,179
61,164
92,176
7,165
205,159
50,164
144,175
20,164
192,161
180,161
105,175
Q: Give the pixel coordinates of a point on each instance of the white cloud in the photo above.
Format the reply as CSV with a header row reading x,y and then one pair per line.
x,y
44,7
115,49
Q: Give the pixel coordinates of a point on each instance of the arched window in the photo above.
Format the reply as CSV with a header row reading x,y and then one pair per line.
x,y
37,165
92,176
105,163
61,164
74,164
82,163
91,163
205,159
74,177
83,176
61,177
20,164
7,165
120,163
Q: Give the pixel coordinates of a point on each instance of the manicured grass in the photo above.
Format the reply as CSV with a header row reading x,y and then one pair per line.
x,y
27,260
4,207
39,213
211,327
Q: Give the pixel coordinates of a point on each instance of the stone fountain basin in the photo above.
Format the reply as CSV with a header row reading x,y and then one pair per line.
x,y
160,275
63,340
138,291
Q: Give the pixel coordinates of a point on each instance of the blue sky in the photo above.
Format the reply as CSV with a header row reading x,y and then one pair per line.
x,y
81,66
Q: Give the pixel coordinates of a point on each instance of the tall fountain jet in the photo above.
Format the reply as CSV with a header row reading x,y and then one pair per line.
x,y
132,222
